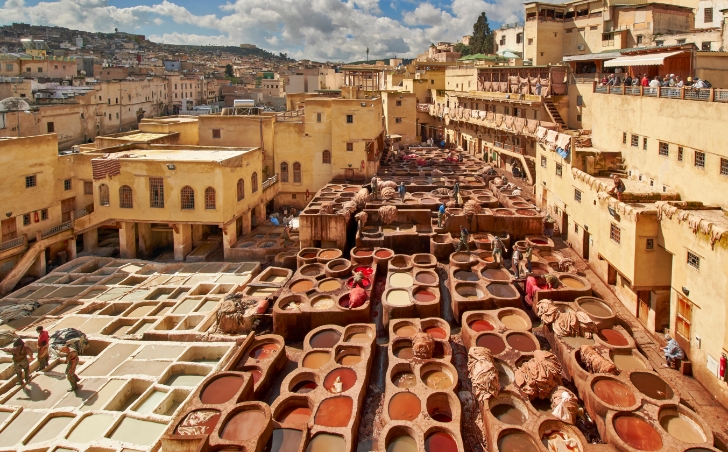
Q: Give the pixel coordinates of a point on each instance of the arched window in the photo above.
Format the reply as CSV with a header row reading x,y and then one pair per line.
x,y
210,198
326,157
104,195
241,189
254,183
188,198
284,172
297,172
126,200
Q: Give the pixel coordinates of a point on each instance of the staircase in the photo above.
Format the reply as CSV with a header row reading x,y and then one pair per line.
x,y
619,168
531,168
554,113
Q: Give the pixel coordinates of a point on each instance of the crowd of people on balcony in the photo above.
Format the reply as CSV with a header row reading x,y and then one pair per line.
x,y
667,81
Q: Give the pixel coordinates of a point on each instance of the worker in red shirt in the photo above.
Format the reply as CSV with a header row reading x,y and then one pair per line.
x,y
645,81
42,348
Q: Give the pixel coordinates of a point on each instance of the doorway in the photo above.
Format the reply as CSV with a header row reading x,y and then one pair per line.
x,y
643,306
68,206
239,227
585,245
564,225
544,198
349,174
9,229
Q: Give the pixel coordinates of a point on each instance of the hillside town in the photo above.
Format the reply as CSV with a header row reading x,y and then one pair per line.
x,y
517,241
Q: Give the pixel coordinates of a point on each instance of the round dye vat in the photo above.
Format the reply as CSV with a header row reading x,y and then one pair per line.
x,y
322,303
402,443
329,285
329,254
325,339
191,420
481,325
244,426
516,442
577,341
404,380
628,362
265,351
514,322
682,428
361,337
521,342
463,275
339,267
312,270
651,385
527,212
469,292
316,360
364,270
383,254
221,389
405,330
295,415
437,379
334,412
425,278
637,433
572,282
508,414
301,286
366,282
398,297
613,337
424,296
496,274
502,290
347,377
326,442
440,442
596,308
285,440
614,393
404,406
440,416
403,351
436,332
349,360
309,255
304,387
400,280
539,241
363,253
492,342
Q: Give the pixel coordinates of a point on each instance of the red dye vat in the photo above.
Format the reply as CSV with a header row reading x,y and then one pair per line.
x,y
295,415
265,351
613,337
309,255
492,342
221,389
362,253
539,241
440,442
325,339
244,426
404,406
481,325
383,254
346,376
637,433
334,412
366,271
436,332
366,282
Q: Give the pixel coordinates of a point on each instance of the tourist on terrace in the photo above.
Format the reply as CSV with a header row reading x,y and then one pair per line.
x,y
679,83
618,187
605,80
645,81
628,80
672,352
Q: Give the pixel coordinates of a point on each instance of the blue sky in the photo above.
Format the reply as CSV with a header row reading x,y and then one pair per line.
x,y
334,30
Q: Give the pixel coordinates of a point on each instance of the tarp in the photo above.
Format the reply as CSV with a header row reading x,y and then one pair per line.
x,y
652,59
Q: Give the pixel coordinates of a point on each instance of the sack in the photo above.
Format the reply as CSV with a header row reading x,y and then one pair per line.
x,y
707,84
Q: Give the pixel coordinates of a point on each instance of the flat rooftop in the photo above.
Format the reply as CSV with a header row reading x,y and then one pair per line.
x,y
185,155
638,187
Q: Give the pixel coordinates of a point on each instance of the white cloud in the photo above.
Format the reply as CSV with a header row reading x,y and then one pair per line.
x,y
337,30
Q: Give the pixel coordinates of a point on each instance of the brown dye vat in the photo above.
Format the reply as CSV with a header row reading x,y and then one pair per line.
x,y
402,443
526,212
464,275
349,360
265,351
358,338
628,362
362,253
304,387
424,296
404,380
326,442
436,332
295,415
614,393
521,342
405,331
508,414
613,337
637,433
651,385
285,440
481,325
208,425
325,339
437,379
403,352
516,442
539,241
339,268
329,286
577,341
244,426
221,390
425,278
502,290
440,442
514,322
495,274
309,255
311,270
302,286
347,377
334,412
574,283
492,342
383,254
404,406
682,428
503,212
329,254
315,360
596,308
400,262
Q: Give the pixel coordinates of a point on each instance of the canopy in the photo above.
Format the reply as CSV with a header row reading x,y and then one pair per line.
x,y
650,59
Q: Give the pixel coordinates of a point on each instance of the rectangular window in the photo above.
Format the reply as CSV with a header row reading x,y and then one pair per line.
x,y
50,127
679,153
31,181
215,133
705,46
681,41
399,103
579,101
650,244
624,137
577,195
576,228
156,192
684,317
615,233
67,184
635,141
350,119
350,147
530,41
708,15
88,187
700,159
694,260
558,169
644,143
44,214
318,117
639,39
8,67
26,219
664,149
543,162
723,167
398,120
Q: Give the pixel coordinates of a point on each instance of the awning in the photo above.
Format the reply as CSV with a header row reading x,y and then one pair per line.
x,y
592,56
650,59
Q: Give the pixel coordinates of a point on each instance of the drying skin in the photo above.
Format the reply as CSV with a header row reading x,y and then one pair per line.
x,y
388,193
327,207
547,311
595,362
573,324
483,374
361,198
388,214
472,208
537,377
422,346
565,404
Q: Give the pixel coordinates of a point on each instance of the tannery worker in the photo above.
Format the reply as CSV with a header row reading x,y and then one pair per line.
x,y
516,262
456,190
71,364
619,187
375,187
20,353
286,236
672,352
529,256
498,249
42,348
441,216
553,281
402,191
464,236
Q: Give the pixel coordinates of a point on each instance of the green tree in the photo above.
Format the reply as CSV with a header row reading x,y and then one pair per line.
x,y
482,40
463,49
229,70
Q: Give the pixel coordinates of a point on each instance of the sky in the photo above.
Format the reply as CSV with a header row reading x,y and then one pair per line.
x,y
322,30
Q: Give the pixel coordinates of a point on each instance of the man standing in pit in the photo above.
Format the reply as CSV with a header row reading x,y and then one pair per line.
x,y
71,363
464,236
402,191
375,187
498,249
42,348
21,353
516,262
441,216
529,256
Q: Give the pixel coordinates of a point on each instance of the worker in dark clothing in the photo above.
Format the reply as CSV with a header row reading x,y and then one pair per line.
x,y
402,191
71,363
464,236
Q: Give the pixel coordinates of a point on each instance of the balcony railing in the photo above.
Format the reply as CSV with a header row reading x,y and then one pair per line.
x,y
685,93
13,243
270,181
56,229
